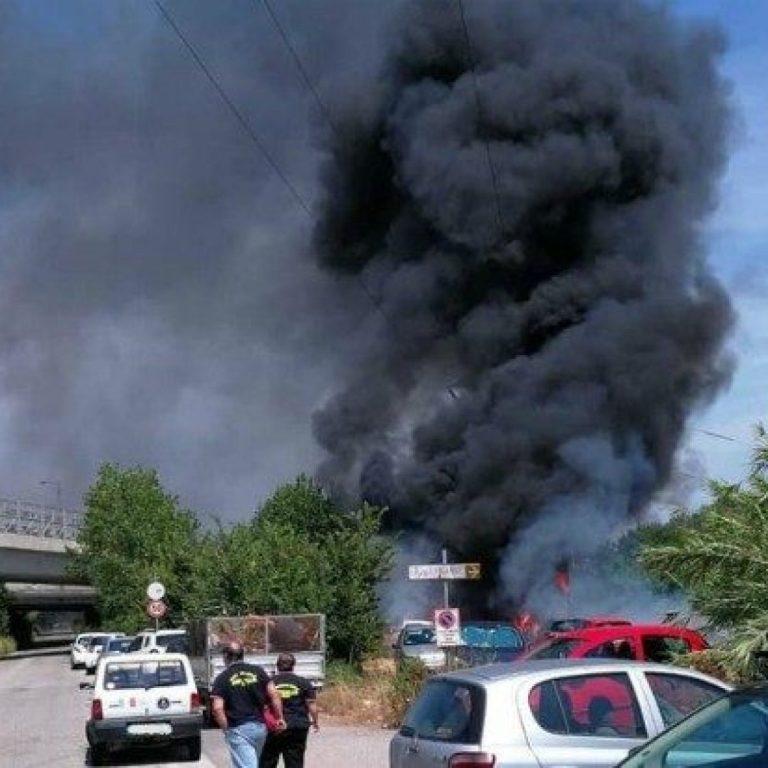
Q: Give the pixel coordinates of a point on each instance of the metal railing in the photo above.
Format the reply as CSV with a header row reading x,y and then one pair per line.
x,y
28,519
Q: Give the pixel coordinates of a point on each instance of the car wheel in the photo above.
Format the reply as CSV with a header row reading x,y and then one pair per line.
x,y
97,756
192,749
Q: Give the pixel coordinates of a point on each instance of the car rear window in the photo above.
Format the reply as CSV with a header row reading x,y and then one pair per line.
x,y
119,645
447,710
124,675
588,705
678,696
424,636
175,643
664,649
491,636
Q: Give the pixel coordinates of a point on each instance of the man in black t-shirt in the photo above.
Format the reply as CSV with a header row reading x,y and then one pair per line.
x,y
239,695
299,710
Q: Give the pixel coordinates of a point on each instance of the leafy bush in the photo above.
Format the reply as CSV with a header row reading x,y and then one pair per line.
x,y
5,616
7,645
342,673
405,686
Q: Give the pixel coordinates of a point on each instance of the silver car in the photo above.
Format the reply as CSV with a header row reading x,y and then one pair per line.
x,y
417,641
564,713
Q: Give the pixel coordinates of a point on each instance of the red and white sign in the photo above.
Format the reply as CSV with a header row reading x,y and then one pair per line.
x,y
447,627
156,609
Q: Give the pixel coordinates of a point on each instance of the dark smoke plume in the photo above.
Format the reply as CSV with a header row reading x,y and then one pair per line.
x,y
530,230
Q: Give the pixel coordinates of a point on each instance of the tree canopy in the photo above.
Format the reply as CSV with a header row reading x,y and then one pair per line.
x,y
134,533
719,556
301,553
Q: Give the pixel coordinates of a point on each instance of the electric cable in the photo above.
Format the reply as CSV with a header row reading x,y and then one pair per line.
x,y
479,108
246,126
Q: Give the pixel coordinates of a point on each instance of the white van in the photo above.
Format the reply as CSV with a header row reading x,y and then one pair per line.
x,y
144,700
160,641
79,649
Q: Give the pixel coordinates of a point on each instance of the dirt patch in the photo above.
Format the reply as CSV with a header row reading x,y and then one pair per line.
x,y
376,697
362,702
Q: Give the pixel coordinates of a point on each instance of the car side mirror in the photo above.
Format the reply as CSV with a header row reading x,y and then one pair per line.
x,y
86,686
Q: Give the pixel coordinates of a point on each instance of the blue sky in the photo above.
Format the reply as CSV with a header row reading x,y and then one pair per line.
x,y
737,240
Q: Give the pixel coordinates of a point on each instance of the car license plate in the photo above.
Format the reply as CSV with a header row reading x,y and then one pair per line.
x,y
150,729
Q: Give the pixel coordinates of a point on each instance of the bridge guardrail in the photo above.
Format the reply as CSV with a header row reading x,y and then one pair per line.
x,y
29,519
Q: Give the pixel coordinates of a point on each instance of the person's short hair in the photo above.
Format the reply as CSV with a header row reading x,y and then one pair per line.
x,y
233,652
286,662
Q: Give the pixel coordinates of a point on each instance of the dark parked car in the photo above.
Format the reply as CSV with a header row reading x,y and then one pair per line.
x,y
486,642
731,732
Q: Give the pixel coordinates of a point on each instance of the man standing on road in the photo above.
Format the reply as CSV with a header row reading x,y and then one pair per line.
x,y
300,708
239,695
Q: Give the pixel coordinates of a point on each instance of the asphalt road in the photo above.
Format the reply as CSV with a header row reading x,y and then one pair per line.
x,y
43,714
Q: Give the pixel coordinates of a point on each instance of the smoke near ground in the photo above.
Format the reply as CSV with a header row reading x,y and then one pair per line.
x,y
529,230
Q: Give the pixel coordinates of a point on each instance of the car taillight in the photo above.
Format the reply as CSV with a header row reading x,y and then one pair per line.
x,y
97,711
466,759
194,701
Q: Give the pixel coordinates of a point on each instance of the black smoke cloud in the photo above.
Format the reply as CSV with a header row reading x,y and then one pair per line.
x,y
542,335
157,303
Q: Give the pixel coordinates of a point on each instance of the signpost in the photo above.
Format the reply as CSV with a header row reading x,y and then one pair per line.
x,y
156,591
445,572
156,607
447,627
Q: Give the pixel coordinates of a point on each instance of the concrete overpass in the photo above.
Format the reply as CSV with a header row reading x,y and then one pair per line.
x,y
34,540
46,606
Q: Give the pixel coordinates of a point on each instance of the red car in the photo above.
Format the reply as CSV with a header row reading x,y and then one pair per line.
x,y
642,642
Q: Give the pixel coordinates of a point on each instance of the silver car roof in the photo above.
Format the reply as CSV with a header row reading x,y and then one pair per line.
x,y
491,673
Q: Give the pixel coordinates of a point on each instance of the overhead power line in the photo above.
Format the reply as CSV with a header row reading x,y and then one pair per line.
x,y
238,115
254,138
328,117
324,111
479,108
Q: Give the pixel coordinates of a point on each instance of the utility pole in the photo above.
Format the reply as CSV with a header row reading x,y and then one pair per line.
x,y
446,583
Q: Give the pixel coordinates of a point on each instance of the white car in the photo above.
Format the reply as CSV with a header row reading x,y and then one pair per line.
x,y
144,700
80,647
95,649
160,641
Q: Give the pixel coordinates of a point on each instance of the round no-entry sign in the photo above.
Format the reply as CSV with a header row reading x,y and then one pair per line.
x,y
447,619
156,609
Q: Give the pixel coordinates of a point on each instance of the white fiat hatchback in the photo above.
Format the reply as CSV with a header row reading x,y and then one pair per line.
x,y
144,700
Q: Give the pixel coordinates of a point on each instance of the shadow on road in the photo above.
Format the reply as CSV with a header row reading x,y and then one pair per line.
x,y
139,756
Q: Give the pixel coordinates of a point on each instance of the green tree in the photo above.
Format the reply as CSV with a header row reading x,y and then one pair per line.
x,y
271,568
135,532
719,556
303,552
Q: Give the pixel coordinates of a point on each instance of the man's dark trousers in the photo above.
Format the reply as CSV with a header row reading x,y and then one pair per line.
x,y
291,744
